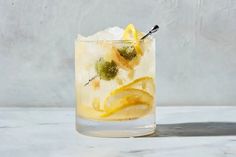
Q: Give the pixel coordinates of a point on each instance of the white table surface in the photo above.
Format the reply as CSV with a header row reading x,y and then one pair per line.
x,y
183,132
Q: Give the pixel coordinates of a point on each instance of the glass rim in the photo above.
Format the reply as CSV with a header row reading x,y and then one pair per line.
x,y
111,41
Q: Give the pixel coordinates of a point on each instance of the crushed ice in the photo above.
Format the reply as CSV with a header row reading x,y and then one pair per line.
x,y
113,33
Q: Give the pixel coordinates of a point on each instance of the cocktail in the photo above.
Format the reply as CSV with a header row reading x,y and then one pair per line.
x,y
115,83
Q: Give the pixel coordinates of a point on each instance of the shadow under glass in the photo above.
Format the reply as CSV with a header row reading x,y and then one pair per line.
x,y
195,129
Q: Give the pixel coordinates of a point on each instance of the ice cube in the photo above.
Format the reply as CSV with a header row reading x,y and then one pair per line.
x,y
116,31
113,33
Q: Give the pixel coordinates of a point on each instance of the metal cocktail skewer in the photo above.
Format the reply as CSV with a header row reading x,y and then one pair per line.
x,y
153,30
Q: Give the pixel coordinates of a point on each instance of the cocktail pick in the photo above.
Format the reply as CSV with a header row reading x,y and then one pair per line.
x,y
153,30
90,80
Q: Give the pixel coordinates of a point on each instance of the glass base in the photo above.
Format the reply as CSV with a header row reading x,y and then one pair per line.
x,y
130,128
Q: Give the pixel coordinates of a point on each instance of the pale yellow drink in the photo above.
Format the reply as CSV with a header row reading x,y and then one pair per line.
x,y
115,83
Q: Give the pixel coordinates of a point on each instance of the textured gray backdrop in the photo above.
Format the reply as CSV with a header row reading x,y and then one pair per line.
x,y
196,47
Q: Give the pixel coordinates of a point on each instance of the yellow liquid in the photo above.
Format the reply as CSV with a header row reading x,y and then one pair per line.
x,y
124,105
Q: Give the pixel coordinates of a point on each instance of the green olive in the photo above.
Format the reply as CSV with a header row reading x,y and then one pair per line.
x,y
106,70
127,52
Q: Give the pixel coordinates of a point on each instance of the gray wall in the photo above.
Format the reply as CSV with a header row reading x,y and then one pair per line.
x,y
196,47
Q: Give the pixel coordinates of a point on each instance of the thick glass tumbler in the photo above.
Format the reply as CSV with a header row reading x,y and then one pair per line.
x,y
115,87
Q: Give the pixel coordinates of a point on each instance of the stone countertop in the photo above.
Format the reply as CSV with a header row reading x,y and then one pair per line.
x,y
182,131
